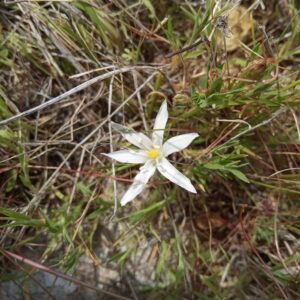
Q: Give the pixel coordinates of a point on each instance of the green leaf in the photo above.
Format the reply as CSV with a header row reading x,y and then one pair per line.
x,y
96,213
120,257
71,258
203,81
7,139
214,166
150,210
13,214
18,219
165,251
239,175
24,176
53,226
170,34
199,98
106,29
84,189
216,86
150,7
4,111
11,181
181,261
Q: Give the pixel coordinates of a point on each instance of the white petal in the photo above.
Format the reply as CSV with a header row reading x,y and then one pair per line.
x,y
135,138
170,172
160,124
139,182
178,143
129,156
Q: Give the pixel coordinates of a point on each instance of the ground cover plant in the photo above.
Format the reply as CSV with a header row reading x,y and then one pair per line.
x,y
79,76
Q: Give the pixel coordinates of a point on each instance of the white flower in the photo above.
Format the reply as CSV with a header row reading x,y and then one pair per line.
x,y
152,153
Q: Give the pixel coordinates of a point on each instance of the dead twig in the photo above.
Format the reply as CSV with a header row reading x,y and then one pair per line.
x,y
74,90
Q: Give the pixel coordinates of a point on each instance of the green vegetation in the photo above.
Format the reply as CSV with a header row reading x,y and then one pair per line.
x,y
239,88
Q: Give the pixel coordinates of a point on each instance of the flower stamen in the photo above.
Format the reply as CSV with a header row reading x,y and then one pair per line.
x,y
153,153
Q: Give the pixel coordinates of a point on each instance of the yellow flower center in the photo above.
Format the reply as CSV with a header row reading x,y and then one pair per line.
x,y
153,153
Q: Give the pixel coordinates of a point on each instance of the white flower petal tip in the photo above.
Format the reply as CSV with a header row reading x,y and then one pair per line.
x,y
139,182
120,128
128,156
160,124
178,143
192,189
137,139
171,173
